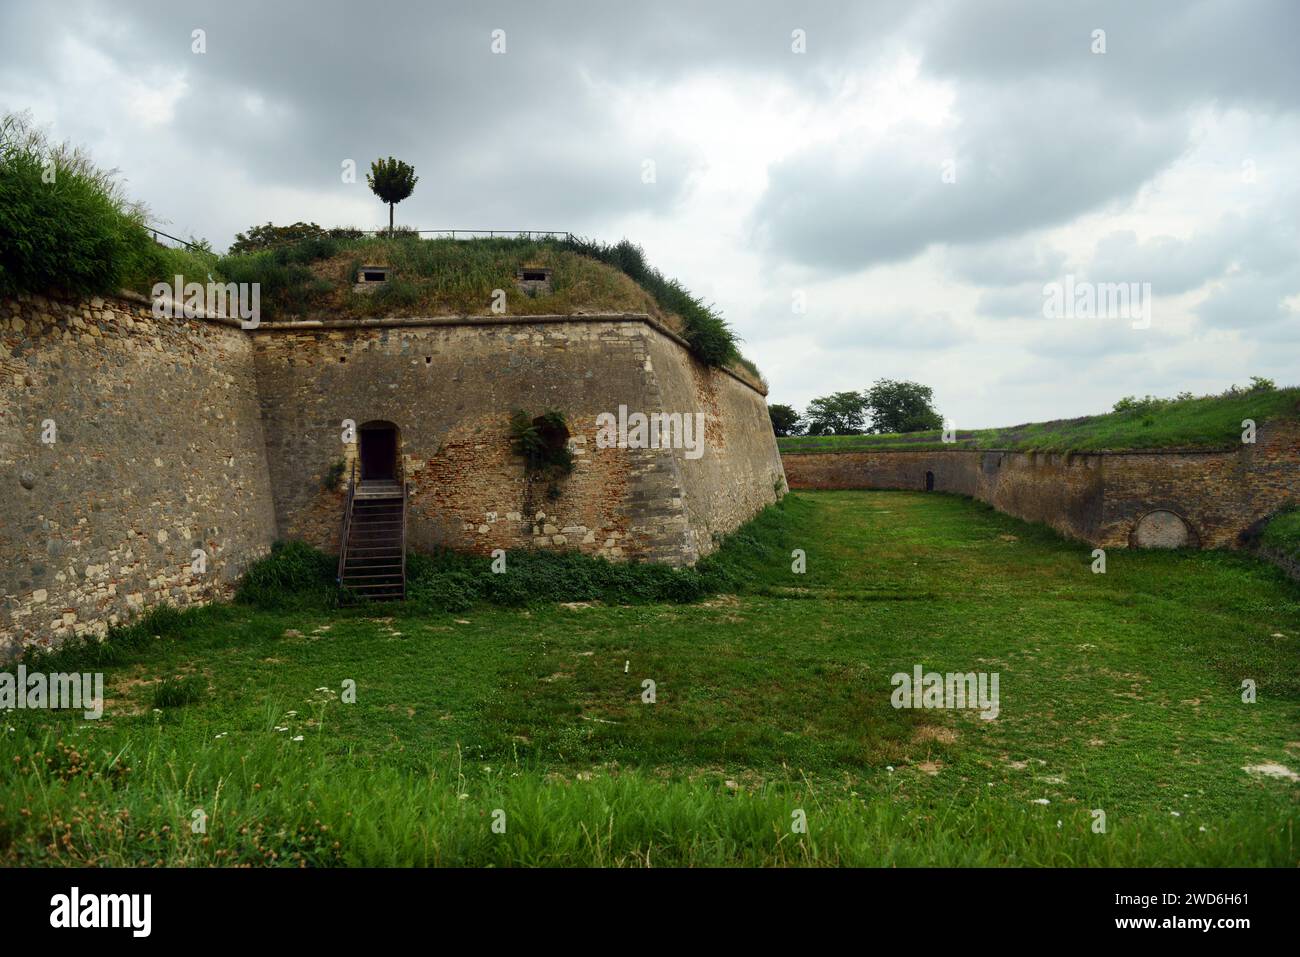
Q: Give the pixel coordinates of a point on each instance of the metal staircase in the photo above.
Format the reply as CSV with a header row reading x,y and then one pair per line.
x,y
372,552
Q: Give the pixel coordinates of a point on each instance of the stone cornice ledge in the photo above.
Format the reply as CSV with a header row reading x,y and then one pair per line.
x,y
397,322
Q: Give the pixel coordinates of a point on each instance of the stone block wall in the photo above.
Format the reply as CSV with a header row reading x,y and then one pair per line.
x,y
740,471
1107,499
450,385
156,450
171,435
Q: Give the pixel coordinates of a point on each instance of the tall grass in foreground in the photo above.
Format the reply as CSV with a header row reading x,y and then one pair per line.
x,y
273,801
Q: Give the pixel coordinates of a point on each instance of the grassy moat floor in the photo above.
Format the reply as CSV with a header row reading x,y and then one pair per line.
x,y
520,737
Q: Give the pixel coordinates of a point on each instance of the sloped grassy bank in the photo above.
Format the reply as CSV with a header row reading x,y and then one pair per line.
x,y
441,276
1205,422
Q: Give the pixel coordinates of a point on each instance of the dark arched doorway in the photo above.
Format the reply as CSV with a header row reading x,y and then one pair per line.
x,y
378,451
929,481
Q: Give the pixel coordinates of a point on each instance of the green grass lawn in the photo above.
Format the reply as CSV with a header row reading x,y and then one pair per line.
x,y
1282,534
1119,692
1205,422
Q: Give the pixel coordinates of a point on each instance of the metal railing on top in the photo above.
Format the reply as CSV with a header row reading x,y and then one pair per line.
x,y
471,233
158,232
450,233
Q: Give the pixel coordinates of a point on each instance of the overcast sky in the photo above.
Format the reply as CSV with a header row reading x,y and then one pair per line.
x,y
912,179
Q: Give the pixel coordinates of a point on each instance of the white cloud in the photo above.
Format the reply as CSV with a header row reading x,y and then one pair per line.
x,y
1168,160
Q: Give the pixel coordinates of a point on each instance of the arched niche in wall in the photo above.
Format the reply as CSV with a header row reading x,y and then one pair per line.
x,y
1162,528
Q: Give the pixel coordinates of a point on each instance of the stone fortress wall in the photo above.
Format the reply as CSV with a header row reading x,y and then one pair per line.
x,y
1209,499
450,385
126,443
176,435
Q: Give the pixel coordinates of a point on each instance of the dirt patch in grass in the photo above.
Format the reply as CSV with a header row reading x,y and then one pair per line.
x,y
938,733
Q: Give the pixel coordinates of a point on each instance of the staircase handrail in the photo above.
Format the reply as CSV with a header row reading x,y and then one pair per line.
x,y
347,522
405,485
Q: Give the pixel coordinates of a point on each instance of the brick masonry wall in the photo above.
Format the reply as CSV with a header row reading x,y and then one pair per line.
x,y
158,450
450,386
1098,498
740,471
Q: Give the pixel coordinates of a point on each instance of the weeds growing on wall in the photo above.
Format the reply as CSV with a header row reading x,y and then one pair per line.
x,y
334,476
452,581
161,623
543,442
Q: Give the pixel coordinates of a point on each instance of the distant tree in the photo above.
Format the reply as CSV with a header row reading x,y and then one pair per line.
x,y
841,413
785,420
270,236
392,181
901,407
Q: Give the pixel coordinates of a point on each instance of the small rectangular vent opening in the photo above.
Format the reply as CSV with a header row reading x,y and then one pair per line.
x,y
371,276
534,281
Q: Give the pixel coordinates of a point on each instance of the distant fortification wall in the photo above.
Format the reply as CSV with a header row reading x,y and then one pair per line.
x,y
450,385
1110,499
126,442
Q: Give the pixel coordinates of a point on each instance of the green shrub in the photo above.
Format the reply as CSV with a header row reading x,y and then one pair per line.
x,y
542,441
287,285
307,251
168,263
269,236
65,225
455,582
293,575
296,575
334,475
173,692
1282,533
397,293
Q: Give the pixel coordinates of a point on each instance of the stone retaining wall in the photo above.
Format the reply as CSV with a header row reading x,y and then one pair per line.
x,y
147,461
126,443
1112,499
450,387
